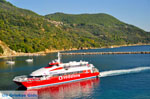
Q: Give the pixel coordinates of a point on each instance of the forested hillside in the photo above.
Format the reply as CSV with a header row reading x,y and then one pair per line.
x,y
106,28
25,31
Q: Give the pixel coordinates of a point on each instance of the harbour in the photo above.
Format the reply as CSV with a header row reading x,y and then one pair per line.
x,y
124,75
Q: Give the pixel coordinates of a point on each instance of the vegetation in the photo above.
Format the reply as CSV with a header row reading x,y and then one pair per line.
x,y
1,50
26,31
107,29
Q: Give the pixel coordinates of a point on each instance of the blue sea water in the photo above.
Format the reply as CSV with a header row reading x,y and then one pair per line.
x,y
123,76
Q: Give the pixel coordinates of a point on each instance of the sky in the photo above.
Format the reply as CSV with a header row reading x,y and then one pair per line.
x,y
135,12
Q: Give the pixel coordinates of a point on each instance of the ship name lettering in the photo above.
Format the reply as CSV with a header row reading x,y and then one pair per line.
x,y
68,77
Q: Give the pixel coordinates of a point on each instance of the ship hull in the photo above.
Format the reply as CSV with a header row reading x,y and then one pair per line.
x,y
58,80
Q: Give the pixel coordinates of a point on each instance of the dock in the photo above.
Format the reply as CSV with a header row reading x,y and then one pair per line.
x,y
103,53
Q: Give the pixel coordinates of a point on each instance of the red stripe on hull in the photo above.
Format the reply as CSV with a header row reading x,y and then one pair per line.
x,y
59,79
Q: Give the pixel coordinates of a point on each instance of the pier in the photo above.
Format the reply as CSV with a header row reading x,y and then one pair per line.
x,y
103,53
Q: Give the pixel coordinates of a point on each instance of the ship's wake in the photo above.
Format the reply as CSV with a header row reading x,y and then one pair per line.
x,y
123,71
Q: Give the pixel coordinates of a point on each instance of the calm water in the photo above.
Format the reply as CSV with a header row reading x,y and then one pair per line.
x,y
133,83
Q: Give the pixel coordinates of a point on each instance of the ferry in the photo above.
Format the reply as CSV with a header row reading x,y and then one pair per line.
x,y
58,73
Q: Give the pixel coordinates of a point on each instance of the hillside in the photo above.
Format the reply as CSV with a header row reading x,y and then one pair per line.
x,y
101,18
106,28
7,50
25,31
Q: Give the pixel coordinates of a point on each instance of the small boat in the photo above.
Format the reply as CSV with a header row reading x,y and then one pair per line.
x,y
29,60
10,62
58,73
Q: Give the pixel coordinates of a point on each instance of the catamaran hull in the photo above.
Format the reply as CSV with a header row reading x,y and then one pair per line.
x,y
57,80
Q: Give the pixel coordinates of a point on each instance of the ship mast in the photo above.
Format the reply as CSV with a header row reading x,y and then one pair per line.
x,y
59,57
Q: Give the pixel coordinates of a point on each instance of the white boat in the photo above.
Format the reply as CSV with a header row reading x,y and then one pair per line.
x,y
10,62
29,60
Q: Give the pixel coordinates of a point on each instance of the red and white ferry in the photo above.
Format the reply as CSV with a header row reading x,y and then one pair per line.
x,y
58,73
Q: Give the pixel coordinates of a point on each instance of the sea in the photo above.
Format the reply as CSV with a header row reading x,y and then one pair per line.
x,y
123,76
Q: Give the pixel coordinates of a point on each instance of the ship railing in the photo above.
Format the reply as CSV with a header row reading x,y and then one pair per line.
x,y
20,78
45,77
26,78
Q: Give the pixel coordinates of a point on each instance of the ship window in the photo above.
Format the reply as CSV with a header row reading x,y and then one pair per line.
x,y
34,76
30,76
69,73
49,65
39,76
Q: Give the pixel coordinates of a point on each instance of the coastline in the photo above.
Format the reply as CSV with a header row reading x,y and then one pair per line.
x,y
43,53
139,44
